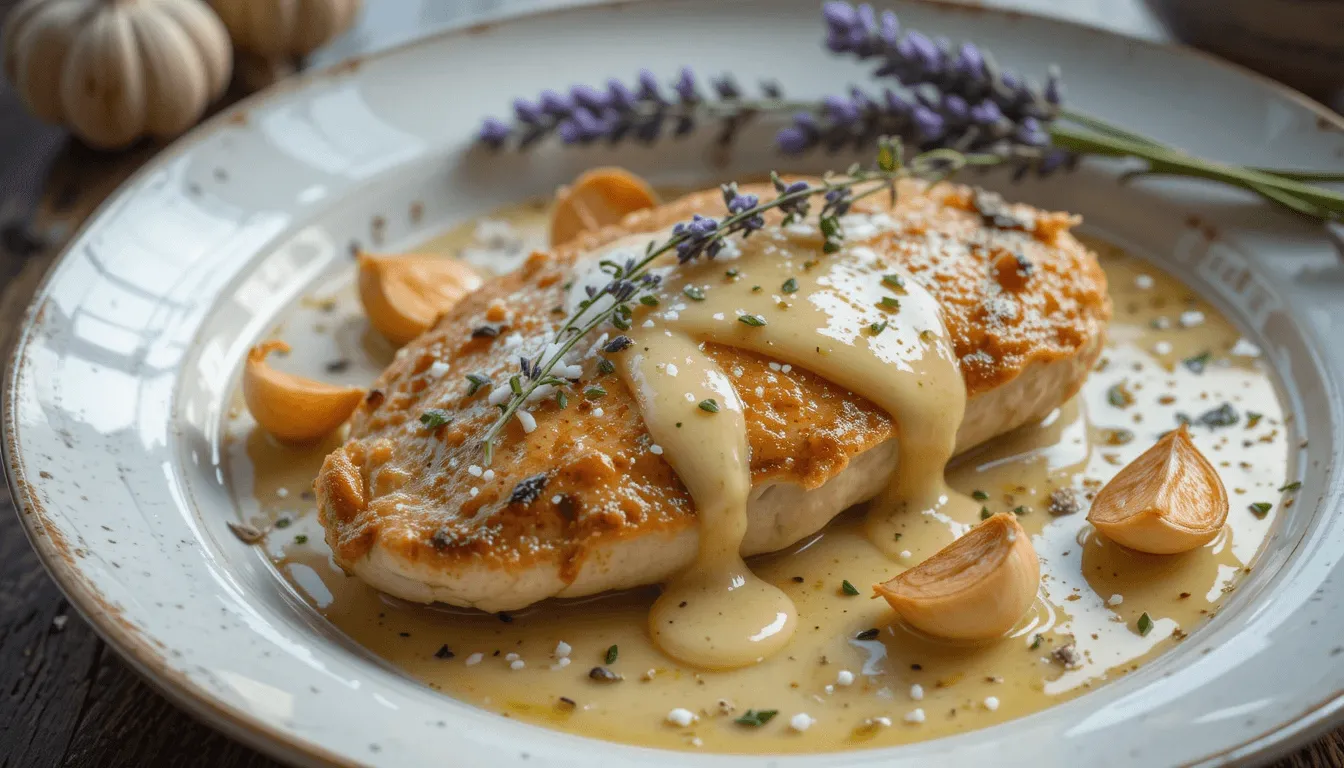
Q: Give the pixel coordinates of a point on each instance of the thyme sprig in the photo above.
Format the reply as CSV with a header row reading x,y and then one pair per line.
x,y
704,237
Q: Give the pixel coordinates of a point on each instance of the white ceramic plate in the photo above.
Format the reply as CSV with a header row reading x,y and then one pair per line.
x,y
115,404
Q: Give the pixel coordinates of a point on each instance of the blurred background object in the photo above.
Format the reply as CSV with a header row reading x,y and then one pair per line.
x,y
1298,42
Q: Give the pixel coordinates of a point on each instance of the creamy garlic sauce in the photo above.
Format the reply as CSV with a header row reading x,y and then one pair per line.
x,y
856,677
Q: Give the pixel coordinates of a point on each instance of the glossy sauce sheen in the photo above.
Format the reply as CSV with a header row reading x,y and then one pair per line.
x,y
894,672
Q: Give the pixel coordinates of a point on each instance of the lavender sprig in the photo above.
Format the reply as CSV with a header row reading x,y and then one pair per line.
x,y
704,237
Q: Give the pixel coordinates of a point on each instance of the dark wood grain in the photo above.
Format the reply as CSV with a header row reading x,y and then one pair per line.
x,y
66,698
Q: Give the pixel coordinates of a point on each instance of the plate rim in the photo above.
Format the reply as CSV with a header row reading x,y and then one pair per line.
x,y
56,557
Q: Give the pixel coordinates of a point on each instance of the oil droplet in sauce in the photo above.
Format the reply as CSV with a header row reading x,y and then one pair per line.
x,y
847,665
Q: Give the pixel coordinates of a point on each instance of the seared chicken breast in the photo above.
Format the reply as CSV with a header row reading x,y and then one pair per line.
x,y
584,503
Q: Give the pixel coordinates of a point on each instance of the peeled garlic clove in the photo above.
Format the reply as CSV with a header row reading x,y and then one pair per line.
x,y
292,408
1168,500
976,588
596,199
404,295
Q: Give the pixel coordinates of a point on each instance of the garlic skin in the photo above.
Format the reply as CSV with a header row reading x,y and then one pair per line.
x,y
976,588
598,198
292,408
404,295
115,72
279,29
1168,500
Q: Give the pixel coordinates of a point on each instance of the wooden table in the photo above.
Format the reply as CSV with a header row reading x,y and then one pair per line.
x,y
68,698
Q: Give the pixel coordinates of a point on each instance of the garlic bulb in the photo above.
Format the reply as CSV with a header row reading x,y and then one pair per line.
x,y
117,71
404,295
598,198
1168,500
292,408
976,588
282,29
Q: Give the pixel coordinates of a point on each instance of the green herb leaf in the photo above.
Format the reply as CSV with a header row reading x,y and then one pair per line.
x,y
889,303
594,392
877,328
985,514
894,281
605,366
755,289
283,522
1145,624
1253,418
1261,508
790,286
516,384
611,654
435,418
709,405
757,717
755,321
848,589
620,321
732,274
1036,641
1293,486
562,400
474,383
1119,396
1022,510
979,495
648,300
1199,362
301,539
694,293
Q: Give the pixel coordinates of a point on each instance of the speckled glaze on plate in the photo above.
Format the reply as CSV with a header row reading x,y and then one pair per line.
x,y
115,402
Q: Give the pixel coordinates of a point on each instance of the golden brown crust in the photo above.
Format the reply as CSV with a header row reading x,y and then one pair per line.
x,y
1011,297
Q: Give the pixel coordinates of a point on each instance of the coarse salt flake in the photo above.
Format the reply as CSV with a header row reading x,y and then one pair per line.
x,y
786,368
671,369
917,692
561,663
991,703
475,659
517,664
282,492
656,449
475,470
511,657
801,722
562,648
1116,600
598,412
1191,318
914,716
845,677
439,369
905,554
681,717
1143,282
1162,348
527,420
474,492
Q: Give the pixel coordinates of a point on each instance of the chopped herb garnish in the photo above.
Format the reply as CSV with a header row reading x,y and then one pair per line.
x,y
979,495
926,336
867,634
648,300
1199,362
1119,396
1261,508
1145,624
889,302
694,293
877,328
435,418
474,383
985,514
755,289
732,273
1021,510
301,539
894,281
611,654
1036,641
757,717
755,321
605,366
594,392
1222,416
620,322
848,589
1293,486
283,522
1253,418
603,675
789,286
562,400
709,405
516,385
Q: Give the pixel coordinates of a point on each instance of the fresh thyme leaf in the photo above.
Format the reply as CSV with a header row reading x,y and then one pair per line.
x,y
876,328
301,539
283,522
757,717
709,405
620,322
1198,363
848,589
435,418
732,273
868,634
694,293
1036,641
1253,418
516,384
979,495
985,514
1261,508
474,383
894,281
605,366
889,303
755,289
790,286
611,654
1021,510
594,392
648,300
1293,486
562,400
755,321
1145,624
1222,416
1119,396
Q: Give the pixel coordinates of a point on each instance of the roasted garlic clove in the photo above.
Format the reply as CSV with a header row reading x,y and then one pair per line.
x,y
1168,500
292,408
404,295
596,199
976,588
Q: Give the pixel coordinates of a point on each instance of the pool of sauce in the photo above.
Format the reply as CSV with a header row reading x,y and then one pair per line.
x,y
1169,355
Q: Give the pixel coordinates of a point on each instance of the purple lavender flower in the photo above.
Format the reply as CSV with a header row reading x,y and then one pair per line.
x,y
493,133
